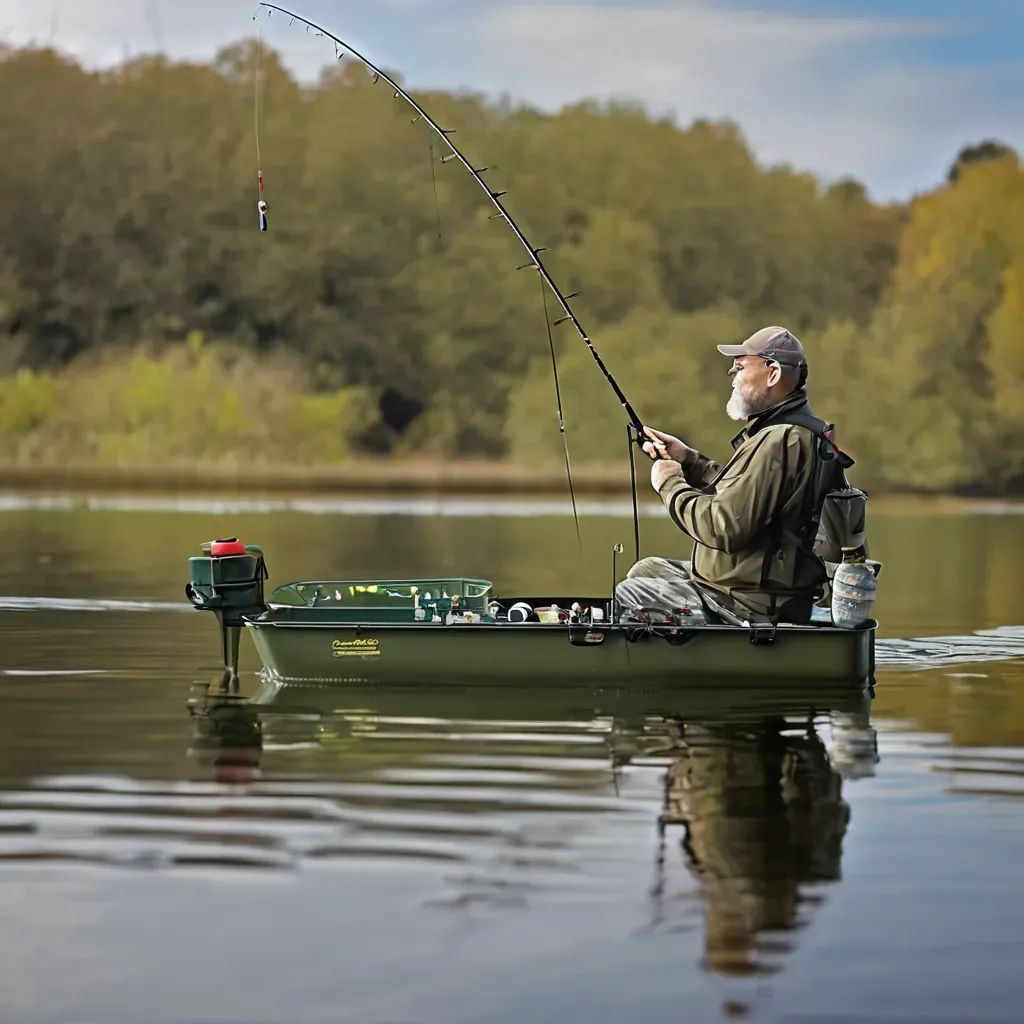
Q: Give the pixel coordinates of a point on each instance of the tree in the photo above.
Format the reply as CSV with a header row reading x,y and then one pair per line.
x,y
983,152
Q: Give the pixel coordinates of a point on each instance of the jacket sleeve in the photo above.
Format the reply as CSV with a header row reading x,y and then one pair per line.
x,y
745,499
699,470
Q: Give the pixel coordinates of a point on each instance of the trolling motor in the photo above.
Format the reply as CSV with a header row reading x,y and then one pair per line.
x,y
227,579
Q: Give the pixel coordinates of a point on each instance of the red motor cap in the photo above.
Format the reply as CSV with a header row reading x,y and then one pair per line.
x,y
231,546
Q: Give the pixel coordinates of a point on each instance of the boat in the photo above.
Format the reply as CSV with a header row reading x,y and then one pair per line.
x,y
456,631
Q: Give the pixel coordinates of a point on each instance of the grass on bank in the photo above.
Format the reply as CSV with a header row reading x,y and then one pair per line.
x,y
190,403
211,417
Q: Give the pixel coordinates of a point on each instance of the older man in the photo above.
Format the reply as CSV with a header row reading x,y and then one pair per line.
x,y
753,521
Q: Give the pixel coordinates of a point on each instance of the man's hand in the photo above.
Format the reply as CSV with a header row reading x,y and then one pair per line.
x,y
664,446
662,470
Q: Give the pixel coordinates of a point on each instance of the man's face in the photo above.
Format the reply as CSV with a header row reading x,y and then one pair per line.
x,y
751,378
751,371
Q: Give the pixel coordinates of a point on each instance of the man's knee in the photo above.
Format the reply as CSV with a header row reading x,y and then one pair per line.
x,y
648,595
646,567
659,569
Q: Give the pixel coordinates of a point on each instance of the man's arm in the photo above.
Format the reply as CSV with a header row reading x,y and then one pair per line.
x,y
698,469
745,499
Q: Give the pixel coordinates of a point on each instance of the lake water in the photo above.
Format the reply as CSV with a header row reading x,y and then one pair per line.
x,y
442,855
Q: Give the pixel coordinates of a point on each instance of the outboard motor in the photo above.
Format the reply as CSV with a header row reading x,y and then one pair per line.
x,y
227,579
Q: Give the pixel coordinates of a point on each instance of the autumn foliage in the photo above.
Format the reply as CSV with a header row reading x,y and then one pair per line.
x,y
370,319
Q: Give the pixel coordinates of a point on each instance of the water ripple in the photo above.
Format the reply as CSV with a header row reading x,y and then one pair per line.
x,y
12,603
1000,644
983,772
424,506
509,827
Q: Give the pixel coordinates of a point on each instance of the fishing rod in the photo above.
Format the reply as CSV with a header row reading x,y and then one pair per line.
x,y
495,199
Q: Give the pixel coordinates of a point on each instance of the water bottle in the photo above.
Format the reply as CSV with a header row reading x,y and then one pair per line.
x,y
854,744
853,590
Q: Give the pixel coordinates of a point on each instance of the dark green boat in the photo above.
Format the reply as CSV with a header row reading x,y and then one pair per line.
x,y
455,631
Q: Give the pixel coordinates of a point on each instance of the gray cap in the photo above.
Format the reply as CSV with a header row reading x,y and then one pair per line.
x,y
769,343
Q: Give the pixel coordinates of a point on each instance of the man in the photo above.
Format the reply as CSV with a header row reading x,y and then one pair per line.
x,y
753,521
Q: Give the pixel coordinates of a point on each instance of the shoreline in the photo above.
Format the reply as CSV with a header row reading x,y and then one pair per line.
x,y
366,478
363,476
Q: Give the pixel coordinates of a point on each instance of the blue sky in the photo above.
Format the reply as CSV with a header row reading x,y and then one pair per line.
x,y
885,90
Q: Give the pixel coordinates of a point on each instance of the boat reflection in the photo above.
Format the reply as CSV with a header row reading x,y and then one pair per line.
x,y
743,791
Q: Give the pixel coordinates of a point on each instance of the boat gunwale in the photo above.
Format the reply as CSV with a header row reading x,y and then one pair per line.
x,y
655,629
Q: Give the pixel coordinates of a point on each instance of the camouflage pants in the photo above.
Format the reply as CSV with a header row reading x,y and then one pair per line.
x,y
657,588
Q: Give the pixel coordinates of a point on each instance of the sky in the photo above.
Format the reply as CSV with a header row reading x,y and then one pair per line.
x,y
886,91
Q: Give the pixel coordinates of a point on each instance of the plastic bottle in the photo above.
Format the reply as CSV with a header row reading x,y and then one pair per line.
x,y
548,615
854,744
853,590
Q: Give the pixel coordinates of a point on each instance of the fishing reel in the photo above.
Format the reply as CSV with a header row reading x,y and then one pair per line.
x,y
639,438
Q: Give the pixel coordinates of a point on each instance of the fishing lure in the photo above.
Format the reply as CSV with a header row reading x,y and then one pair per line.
x,y
262,206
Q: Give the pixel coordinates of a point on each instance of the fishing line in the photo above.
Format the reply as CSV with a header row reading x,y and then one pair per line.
x,y
259,46
433,182
261,204
561,421
493,196
632,487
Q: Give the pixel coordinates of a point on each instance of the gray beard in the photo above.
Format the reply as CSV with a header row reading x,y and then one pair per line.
x,y
742,407
738,407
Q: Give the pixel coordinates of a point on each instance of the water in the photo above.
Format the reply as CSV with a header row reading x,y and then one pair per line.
x,y
443,855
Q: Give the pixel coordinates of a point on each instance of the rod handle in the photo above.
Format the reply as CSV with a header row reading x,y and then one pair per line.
x,y
639,438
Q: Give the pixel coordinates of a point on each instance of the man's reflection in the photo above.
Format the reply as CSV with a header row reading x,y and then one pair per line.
x,y
763,814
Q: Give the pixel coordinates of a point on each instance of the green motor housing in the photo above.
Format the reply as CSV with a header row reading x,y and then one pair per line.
x,y
228,579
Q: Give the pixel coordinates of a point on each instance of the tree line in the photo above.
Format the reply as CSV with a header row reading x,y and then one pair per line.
x,y
128,224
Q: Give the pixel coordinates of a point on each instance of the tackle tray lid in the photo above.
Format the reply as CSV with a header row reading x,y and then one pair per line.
x,y
377,592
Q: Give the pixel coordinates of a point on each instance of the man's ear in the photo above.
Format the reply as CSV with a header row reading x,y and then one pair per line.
x,y
774,375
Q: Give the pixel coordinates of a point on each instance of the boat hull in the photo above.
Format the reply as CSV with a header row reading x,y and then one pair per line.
x,y
324,652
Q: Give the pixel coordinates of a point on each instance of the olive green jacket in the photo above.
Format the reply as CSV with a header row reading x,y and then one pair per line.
x,y
743,517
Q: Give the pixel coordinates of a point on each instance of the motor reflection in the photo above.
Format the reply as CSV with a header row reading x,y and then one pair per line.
x,y
227,735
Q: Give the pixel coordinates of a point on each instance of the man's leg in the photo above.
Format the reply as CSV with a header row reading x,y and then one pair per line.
x,y
661,569
655,590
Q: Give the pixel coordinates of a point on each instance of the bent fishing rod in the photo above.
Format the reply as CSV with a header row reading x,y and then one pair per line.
x,y
493,196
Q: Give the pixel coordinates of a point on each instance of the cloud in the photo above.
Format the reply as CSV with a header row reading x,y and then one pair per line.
x,y
103,32
889,101
827,94
100,32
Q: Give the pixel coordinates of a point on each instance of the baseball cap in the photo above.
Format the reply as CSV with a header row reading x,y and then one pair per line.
x,y
769,343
